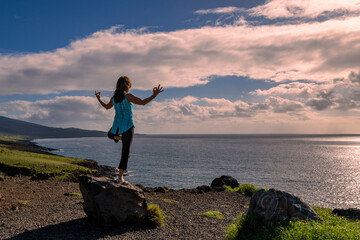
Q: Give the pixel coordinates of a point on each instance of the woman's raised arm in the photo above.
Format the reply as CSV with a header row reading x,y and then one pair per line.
x,y
139,101
106,106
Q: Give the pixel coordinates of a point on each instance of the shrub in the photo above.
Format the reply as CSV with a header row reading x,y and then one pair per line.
x,y
155,217
244,189
247,189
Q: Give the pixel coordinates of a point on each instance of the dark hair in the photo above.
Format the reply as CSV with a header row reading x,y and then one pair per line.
x,y
123,86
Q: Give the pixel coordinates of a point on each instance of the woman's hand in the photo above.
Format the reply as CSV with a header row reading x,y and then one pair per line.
x,y
97,94
106,106
157,90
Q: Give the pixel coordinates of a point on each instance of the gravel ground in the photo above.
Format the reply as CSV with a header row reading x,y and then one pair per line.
x,y
42,210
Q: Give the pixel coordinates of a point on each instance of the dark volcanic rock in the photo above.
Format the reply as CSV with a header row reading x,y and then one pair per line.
x,y
107,171
14,171
275,205
351,213
42,176
204,189
160,189
218,183
109,203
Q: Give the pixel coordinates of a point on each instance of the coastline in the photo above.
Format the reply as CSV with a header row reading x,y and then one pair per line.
x,y
40,209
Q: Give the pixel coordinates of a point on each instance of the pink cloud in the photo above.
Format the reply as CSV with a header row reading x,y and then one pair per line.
x,y
303,8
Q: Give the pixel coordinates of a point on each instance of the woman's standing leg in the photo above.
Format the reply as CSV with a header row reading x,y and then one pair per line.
x,y
127,138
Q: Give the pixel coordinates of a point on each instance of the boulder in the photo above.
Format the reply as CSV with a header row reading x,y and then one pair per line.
x,y
109,203
203,189
275,205
218,183
160,189
351,213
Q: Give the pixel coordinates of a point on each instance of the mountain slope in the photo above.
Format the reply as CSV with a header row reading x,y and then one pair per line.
x,y
17,127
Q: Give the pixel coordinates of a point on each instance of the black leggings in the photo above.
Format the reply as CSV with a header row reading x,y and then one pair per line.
x,y
126,139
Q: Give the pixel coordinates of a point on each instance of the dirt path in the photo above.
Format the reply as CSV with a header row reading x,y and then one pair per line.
x,y
41,210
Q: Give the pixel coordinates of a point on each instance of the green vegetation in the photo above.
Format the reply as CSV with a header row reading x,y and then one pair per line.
x,y
23,202
155,217
331,227
212,214
61,167
244,189
72,194
12,138
167,200
166,187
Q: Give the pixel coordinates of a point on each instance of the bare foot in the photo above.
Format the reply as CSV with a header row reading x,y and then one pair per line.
x,y
118,137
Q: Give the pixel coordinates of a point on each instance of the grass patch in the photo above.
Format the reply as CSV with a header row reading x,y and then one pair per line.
x,y
23,202
244,189
72,194
12,138
155,217
61,167
167,200
212,214
331,227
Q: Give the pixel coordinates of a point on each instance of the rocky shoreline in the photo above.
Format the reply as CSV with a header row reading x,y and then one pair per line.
x,y
53,209
35,207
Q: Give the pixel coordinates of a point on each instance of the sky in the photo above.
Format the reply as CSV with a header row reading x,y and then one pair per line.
x,y
227,66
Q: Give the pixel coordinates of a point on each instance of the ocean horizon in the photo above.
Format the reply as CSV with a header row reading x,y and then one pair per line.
x,y
322,169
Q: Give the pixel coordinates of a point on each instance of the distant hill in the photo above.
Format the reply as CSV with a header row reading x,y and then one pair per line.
x,y
32,130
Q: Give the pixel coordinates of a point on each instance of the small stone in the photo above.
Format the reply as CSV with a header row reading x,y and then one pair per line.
x,y
160,189
14,208
203,189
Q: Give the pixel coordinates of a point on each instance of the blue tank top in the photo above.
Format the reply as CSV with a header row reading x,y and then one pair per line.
x,y
123,119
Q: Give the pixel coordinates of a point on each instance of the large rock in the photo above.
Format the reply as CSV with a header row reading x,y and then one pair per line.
x,y
218,183
109,203
275,205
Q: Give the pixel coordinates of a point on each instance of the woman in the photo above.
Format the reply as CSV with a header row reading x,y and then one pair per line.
x,y
123,126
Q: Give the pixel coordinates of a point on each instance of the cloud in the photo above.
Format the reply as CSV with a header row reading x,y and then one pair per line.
x,y
207,115
305,8
86,112
67,111
220,10
187,57
281,105
340,94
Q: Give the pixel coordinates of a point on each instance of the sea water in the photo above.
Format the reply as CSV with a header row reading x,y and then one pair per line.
x,y
324,170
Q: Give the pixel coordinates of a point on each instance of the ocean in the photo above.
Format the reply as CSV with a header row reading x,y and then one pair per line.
x,y
324,170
